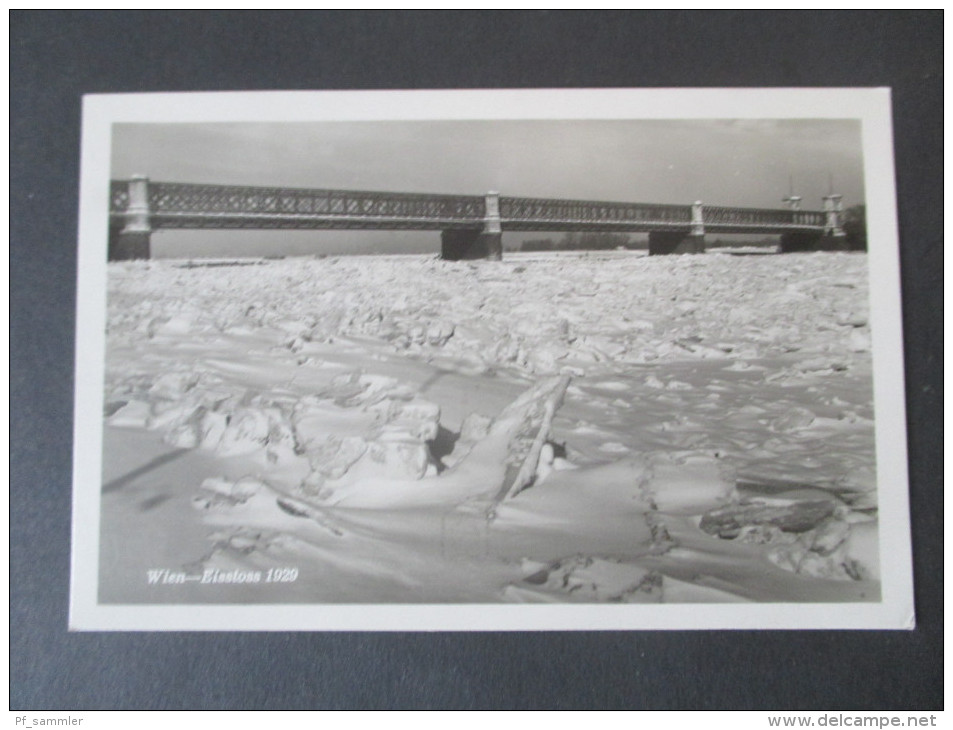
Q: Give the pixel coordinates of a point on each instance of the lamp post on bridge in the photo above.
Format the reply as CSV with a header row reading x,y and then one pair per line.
x,y
793,201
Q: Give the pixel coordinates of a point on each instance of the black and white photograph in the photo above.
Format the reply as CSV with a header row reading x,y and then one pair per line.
x,y
489,360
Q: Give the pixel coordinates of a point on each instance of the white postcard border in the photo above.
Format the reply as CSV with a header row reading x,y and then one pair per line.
x,y
871,106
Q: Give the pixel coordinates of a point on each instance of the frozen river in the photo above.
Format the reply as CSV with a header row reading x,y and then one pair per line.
x,y
344,430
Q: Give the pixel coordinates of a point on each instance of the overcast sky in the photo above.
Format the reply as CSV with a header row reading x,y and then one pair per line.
x,y
721,162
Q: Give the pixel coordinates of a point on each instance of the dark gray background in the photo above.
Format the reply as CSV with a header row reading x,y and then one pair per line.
x,y
58,56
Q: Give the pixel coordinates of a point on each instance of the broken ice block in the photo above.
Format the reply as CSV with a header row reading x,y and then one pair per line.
x,y
415,421
688,483
396,459
728,522
335,456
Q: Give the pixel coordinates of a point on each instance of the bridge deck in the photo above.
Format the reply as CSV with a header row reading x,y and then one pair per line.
x,y
181,205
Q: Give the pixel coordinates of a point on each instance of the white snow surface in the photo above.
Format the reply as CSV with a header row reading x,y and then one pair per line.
x,y
345,428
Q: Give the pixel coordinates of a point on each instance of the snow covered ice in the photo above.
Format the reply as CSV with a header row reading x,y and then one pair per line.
x,y
556,427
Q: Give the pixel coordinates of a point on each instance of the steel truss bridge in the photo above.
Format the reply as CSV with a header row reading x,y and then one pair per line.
x,y
470,225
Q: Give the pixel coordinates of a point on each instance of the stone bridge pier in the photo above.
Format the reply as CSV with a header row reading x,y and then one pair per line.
x,y
130,239
464,244
669,242
467,245
832,238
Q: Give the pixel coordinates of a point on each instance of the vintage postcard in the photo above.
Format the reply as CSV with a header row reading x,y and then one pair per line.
x,y
489,360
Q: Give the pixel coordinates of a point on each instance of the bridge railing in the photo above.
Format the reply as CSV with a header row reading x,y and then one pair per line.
x,y
519,212
118,196
757,219
186,204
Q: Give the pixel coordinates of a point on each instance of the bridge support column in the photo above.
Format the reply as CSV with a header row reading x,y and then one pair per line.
x,y
832,239
132,240
492,236
458,245
127,245
669,242
468,245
